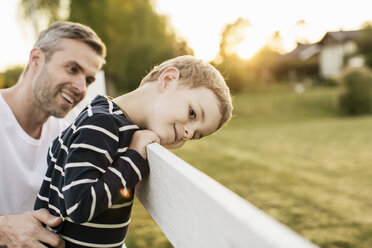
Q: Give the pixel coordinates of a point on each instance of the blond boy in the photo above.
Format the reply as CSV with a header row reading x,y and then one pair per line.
x,y
95,164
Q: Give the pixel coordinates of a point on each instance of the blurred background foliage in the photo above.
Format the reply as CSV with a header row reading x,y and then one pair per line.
x,y
357,98
137,38
10,76
364,43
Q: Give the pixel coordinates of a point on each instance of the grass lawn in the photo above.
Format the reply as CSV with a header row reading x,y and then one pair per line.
x,y
293,156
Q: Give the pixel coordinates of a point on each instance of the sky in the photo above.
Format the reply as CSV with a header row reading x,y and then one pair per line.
x,y
200,23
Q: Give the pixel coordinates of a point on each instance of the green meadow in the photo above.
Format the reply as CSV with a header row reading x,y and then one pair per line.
x,y
295,157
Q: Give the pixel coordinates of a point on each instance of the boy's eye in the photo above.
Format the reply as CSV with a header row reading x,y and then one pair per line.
x,y
73,69
192,113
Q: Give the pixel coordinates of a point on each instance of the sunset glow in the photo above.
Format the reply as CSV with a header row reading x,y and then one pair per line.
x,y
200,23
253,42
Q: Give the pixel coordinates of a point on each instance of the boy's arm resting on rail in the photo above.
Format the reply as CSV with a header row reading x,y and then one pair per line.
x,y
94,174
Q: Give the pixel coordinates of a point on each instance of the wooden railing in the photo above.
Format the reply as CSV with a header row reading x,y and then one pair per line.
x,y
195,211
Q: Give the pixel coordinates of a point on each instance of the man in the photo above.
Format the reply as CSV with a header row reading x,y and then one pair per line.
x,y
62,64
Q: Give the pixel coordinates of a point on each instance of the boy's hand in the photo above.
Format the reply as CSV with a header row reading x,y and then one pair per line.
x,y
141,139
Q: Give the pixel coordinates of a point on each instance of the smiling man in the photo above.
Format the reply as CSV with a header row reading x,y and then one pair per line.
x,y
62,64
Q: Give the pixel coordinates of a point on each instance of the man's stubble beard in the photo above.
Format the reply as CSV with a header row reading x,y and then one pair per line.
x,y
45,95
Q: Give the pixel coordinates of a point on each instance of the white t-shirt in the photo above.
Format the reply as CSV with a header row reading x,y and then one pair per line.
x,y
22,160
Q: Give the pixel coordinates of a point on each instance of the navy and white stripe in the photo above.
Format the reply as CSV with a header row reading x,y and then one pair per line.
x,y
89,165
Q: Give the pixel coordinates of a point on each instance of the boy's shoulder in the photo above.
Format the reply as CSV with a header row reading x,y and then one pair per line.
x,y
101,111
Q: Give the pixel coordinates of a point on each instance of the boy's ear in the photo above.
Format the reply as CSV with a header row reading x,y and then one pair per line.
x,y
167,77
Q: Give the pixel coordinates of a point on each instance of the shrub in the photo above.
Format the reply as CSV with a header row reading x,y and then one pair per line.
x,y
328,82
357,99
364,43
10,77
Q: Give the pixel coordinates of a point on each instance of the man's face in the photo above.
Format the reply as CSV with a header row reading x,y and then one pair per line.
x,y
181,114
63,80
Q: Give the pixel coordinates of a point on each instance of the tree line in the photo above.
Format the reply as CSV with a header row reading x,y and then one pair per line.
x,y
138,38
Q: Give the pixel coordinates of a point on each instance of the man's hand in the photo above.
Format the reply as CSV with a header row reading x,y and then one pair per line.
x,y
26,230
141,139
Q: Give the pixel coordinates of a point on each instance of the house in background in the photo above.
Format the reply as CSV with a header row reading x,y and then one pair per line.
x,y
335,52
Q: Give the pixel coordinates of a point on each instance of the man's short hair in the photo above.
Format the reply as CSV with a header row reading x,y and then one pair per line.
x,y
48,39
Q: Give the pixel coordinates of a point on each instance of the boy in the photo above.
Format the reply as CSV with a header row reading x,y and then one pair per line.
x,y
95,164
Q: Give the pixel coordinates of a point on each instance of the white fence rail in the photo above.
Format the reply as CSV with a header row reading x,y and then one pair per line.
x,y
195,211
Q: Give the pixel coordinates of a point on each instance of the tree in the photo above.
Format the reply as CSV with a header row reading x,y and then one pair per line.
x,y
232,35
252,74
275,43
300,31
227,61
137,38
364,43
42,12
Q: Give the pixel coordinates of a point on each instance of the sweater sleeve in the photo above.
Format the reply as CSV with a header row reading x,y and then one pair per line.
x,y
94,175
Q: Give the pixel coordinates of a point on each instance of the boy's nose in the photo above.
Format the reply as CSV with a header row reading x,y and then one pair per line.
x,y
189,133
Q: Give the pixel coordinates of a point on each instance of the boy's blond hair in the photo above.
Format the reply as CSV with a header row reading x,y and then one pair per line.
x,y
195,73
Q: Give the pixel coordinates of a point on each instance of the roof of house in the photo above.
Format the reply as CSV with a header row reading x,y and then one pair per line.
x,y
339,36
306,51
302,51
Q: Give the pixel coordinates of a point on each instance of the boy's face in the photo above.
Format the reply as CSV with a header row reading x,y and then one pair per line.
x,y
180,114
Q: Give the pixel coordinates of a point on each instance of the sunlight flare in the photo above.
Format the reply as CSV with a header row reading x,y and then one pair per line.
x,y
253,42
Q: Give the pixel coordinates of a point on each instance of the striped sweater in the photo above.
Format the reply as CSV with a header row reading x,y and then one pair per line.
x,y
91,177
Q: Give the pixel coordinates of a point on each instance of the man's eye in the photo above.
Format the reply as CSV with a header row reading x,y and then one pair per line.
x,y
192,113
89,80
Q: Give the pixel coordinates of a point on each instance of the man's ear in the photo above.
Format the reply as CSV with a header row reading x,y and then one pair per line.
x,y
167,77
37,58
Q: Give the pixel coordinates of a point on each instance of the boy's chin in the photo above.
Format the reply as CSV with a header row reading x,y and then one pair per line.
x,y
173,145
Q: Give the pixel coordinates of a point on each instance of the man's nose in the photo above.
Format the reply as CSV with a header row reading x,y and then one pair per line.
x,y
80,85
